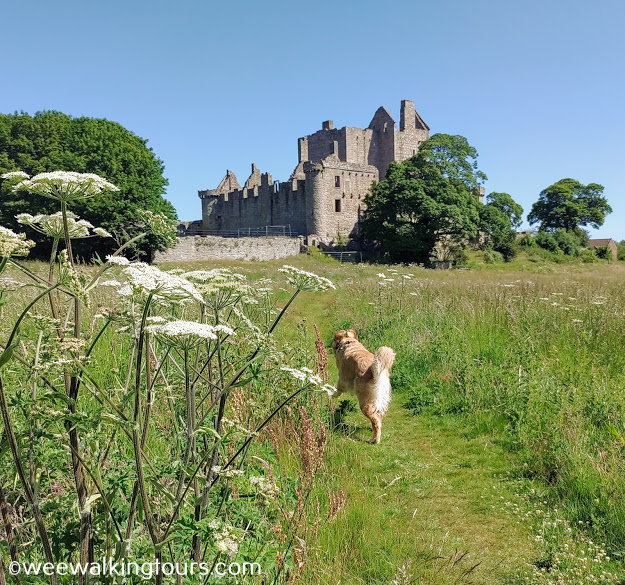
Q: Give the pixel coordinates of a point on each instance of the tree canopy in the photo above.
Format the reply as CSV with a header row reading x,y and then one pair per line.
x,y
429,198
50,141
499,219
570,205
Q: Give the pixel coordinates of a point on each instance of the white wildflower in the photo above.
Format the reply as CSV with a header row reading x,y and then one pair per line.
x,y
12,244
306,281
218,279
226,539
69,278
52,225
65,185
144,279
266,488
381,275
183,332
113,283
118,260
331,390
304,375
15,175
223,329
160,225
102,232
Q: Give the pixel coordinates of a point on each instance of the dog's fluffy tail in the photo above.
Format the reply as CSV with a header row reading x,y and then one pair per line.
x,y
381,368
382,361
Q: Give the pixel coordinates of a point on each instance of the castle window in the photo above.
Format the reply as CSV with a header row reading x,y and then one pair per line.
x,y
337,205
337,181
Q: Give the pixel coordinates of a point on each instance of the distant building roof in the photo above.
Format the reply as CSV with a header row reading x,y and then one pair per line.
x,y
600,242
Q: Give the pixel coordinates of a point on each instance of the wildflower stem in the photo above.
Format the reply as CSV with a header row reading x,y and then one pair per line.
x,y
149,518
28,490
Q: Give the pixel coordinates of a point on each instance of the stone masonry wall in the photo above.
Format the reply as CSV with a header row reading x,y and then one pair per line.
x,y
338,202
193,248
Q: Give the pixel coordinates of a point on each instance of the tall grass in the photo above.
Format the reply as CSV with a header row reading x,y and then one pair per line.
x,y
536,358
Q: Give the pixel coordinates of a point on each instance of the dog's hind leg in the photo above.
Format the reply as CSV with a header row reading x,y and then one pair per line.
x,y
376,421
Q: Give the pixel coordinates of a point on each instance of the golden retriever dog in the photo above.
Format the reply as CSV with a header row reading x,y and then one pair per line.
x,y
364,374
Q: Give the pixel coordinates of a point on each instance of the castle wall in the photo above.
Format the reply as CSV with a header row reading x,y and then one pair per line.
x,y
197,248
258,206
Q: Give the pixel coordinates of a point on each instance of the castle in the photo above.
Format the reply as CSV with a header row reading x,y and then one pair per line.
x,y
323,197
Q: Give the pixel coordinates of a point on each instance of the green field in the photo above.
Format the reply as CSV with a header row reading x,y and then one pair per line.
x,y
502,457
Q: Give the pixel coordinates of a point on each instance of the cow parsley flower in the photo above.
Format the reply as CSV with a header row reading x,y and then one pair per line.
x,y
304,375
15,175
183,333
144,279
65,185
226,539
306,281
102,232
266,488
118,260
218,279
52,225
12,244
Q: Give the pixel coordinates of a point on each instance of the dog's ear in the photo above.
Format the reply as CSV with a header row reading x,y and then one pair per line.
x,y
351,334
338,336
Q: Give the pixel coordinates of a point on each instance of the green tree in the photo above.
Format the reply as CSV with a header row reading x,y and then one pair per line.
x,y
429,198
499,218
50,141
570,205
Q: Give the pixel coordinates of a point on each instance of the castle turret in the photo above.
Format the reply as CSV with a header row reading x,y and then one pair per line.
x,y
407,116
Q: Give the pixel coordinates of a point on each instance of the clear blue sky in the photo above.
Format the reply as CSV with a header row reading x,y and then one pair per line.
x,y
536,86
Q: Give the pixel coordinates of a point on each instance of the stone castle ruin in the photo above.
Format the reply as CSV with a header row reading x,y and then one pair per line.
x,y
323,198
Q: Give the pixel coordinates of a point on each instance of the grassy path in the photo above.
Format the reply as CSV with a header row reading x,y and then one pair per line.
x,y
428,489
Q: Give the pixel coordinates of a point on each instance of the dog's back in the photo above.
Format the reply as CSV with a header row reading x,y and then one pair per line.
x,y
364,374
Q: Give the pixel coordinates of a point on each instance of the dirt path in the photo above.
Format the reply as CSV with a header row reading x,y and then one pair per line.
x,y
428,488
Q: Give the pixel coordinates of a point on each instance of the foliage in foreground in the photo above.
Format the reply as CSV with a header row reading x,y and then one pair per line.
x,y
144,396
50,141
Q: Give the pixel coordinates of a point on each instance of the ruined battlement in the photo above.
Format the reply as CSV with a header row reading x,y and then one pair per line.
x,y
325,192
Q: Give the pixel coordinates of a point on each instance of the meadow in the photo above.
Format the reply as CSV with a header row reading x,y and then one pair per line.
x,y
502,457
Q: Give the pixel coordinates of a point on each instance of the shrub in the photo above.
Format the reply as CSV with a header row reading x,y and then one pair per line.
x,y
527,241
568,242
547,241
588,256
490,257
460,257
604,253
